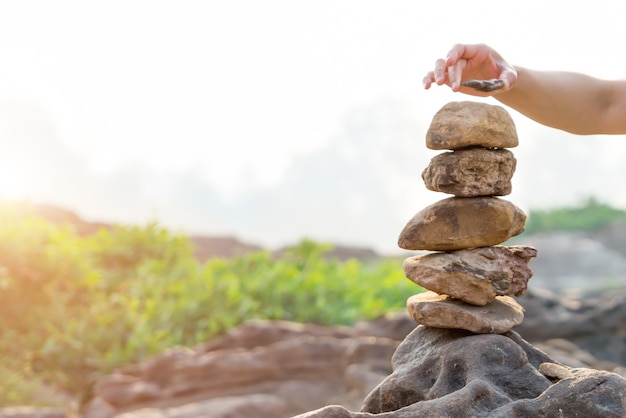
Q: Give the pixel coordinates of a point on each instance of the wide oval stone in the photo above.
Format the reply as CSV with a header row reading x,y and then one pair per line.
x,y
471,172
458,223
474,276
466,124
442,311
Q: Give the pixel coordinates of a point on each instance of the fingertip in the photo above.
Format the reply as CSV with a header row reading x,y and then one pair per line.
x,y
454,55
427,81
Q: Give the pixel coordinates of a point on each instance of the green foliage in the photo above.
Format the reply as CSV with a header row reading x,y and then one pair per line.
x,y
589,216
73,308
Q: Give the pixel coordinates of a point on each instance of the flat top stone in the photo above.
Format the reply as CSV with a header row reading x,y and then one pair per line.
x,y
464,124
442,311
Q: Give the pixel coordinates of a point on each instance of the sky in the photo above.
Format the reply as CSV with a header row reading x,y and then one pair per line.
x,y
272,120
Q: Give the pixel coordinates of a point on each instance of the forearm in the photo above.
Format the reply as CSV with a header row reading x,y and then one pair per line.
x,y
572,102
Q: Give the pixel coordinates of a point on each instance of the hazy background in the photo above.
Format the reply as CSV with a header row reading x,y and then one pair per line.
x,y
274,120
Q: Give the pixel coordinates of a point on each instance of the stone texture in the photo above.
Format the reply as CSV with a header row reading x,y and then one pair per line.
x,y
474,276
441,311
448,360
467,124
307,359
471,172
452,373
287,367
458,223
589,393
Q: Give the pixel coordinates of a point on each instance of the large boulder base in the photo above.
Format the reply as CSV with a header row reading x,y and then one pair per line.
x,y
474,276
471,172
453,373
458,223
469,124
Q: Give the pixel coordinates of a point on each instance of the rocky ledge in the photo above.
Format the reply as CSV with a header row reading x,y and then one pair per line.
x,y
442,372
277,369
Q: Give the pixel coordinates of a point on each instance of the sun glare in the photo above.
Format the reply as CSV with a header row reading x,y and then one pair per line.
x,y
11,185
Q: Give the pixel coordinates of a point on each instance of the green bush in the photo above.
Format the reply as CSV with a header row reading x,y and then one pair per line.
x,y
588,216
73,308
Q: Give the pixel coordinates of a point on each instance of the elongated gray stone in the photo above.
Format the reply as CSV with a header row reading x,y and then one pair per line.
x,y
474,276
465,124
442,311
471,172
458,223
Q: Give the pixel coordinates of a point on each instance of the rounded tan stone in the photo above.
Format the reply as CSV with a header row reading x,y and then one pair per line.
x,y
466,124
555,370
474,276
458,223
471,172
442,311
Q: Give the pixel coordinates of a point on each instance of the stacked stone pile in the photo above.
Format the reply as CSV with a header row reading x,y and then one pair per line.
x,y
464,359
470,277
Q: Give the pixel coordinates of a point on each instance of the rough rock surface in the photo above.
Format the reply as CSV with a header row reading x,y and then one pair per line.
x,y
442,311
458,223
466,124
549,319
471,172
441,373
474,276
286,367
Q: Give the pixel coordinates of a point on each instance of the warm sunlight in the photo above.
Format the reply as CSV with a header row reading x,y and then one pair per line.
x,y
12,185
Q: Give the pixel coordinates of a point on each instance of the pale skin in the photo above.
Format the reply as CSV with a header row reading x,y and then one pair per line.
x,y
569,101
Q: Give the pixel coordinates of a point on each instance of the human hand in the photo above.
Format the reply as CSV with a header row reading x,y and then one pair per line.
x,y
472,62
